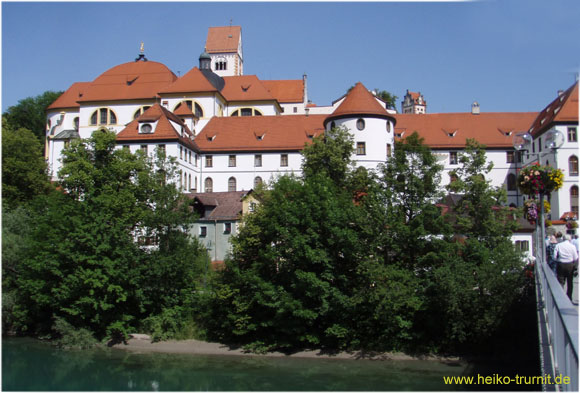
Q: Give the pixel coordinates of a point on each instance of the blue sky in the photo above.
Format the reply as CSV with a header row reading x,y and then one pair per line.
x,y
509,55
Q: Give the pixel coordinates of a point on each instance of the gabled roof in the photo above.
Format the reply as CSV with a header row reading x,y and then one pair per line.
x,y
164,130
415,97
451,130
194,81
259,133
245,88
359,102
218,205
69,99
286,91
564,109
223,39
129,81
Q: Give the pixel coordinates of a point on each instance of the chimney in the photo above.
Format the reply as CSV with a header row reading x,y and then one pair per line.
x,y
475,108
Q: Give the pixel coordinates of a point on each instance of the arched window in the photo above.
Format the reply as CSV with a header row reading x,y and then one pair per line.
x,y
76,123
103,116
257,181
193,106
140,111
573,166
332,125
208,185
232,184
221,64
360,124
246,112
574,199
511,182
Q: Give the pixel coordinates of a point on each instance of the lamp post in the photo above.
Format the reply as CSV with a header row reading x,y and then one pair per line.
x,y
522,142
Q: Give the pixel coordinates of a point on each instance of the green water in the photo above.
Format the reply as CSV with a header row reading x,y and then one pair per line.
x,y
31,365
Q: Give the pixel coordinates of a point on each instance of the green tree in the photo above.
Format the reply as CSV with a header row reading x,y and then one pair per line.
x,y
30,113
474,291
85,265
24,171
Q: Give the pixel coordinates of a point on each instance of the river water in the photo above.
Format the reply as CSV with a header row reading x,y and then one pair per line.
x,y
28,364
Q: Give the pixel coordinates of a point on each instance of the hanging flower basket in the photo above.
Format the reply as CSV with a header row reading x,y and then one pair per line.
x,y
531,210
537,179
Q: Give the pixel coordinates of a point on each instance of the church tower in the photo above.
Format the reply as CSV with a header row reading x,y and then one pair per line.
x,y
224,46
414,103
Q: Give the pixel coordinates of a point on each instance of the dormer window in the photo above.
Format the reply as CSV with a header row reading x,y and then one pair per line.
x,y
146,128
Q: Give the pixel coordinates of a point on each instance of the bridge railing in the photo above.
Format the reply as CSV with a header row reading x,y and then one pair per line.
x,y
562,323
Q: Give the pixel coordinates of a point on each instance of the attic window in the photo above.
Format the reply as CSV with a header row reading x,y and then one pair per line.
x,y
400,134
451,134
131,79
211,138
245,87
260,137
146,128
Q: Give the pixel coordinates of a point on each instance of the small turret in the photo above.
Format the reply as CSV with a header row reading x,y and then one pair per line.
x,y
205,61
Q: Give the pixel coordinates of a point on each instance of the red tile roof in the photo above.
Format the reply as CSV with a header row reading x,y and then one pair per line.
x,y
245,88
129,81
415,97
183,110
223,39
278,133
451,130
164,131
359,102
564,109
192,82
286,91
69,99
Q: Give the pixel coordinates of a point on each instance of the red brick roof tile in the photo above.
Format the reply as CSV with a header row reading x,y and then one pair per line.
x,y
223,39
564,109
164,130
278,133
69,99
286,91
451,130
245,88
192,82
129,81
359,102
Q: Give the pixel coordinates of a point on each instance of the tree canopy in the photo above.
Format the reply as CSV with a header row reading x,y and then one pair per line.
x,y
30,113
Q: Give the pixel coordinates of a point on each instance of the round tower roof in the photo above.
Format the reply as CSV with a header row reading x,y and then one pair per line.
x,y
359,102
134,80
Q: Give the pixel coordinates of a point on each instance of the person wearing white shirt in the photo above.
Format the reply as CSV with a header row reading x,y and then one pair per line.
x,y
567,256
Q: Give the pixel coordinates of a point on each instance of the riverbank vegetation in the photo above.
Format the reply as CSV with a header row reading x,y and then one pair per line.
x,y
338,258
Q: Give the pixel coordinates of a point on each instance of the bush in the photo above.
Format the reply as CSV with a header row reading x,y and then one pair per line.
x,y
170,324
71,337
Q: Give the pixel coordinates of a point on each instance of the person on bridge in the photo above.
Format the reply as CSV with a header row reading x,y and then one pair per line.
x,y
567,256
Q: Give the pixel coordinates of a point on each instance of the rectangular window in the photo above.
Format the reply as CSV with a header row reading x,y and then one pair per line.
x,y
202,231
295,109
227,228
453,158
180,153
258,160
389,151
283,159
246,111
572,136
232,161
361,149
510,157
126,147
161,149
103,117
539,145
208,161
522,245
144,149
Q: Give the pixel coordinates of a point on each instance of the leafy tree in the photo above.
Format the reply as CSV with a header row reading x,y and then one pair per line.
x,y
85,266
24,171
474,290
30,113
